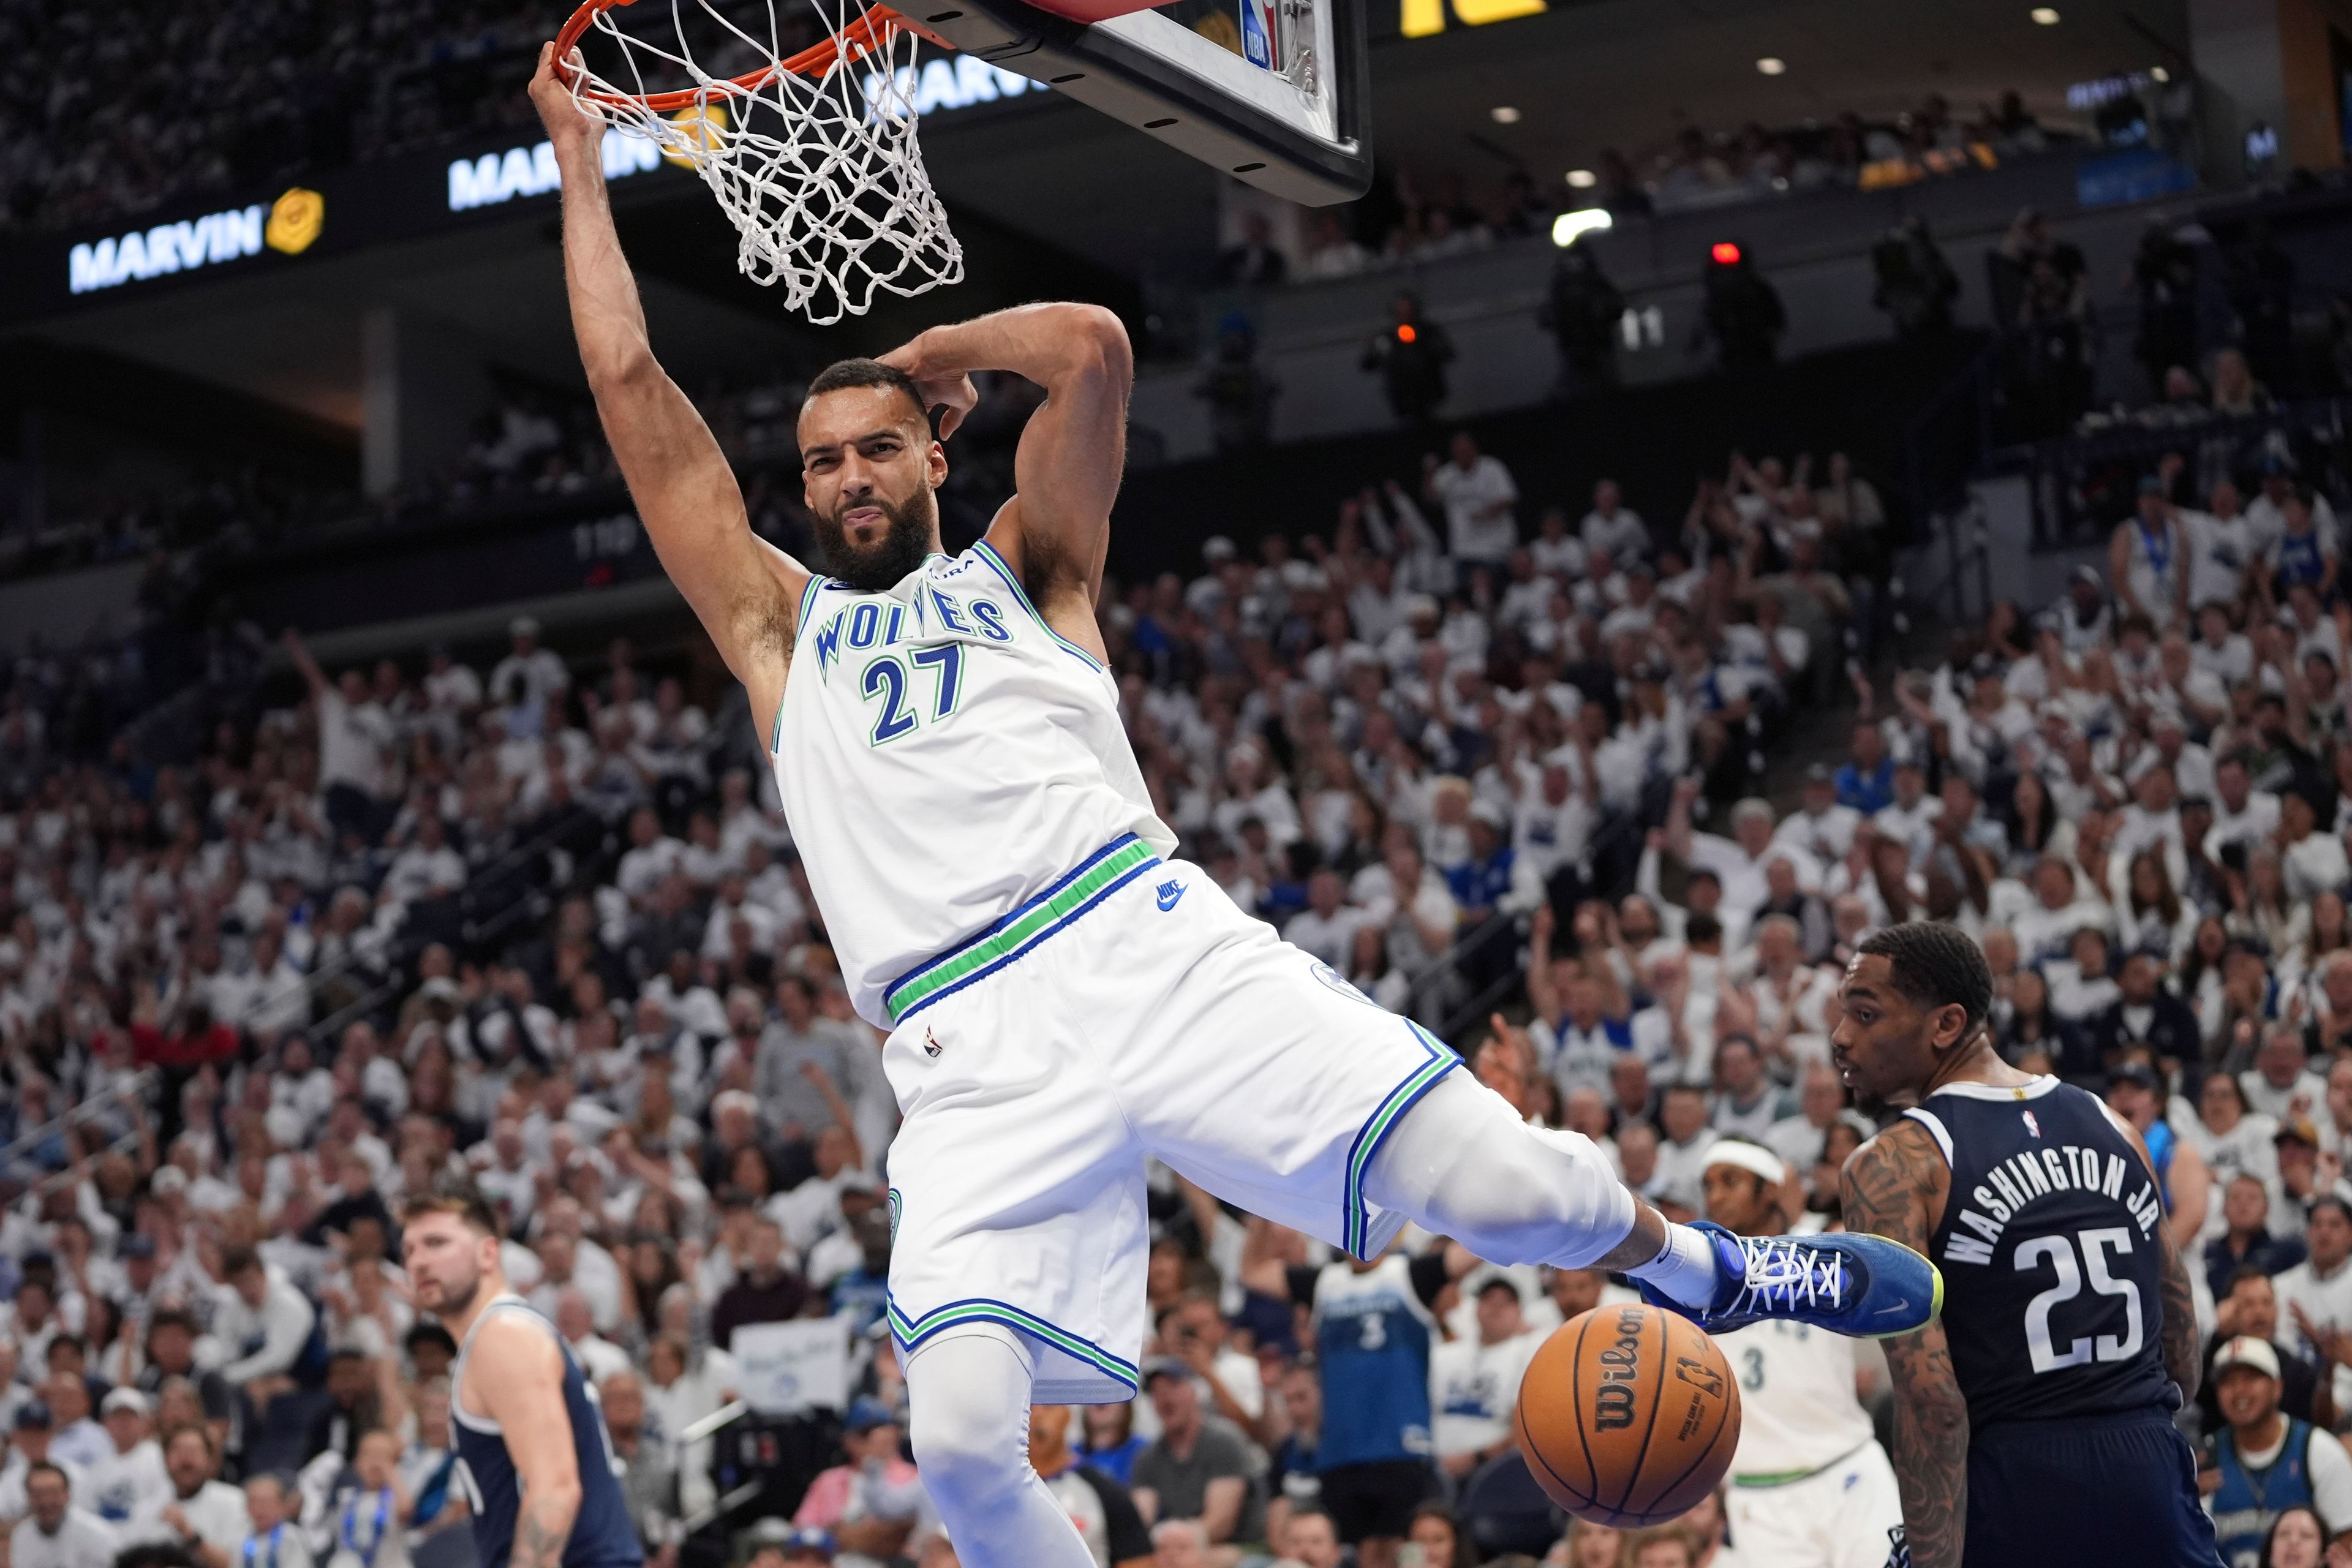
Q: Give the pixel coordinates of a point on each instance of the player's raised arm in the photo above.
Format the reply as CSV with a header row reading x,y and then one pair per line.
x,y
743,589
526,1399
1055,532
1888,1185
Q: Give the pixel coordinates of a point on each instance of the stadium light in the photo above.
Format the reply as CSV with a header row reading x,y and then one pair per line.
x,y
1504,114
1582,179
1570,228
2044,15
1771,65
1405,333
1722,253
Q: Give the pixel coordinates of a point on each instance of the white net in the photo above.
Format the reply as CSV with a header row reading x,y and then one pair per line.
x,y
810,150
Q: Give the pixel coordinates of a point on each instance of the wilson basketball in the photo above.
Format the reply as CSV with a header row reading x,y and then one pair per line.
x,y
1628,1415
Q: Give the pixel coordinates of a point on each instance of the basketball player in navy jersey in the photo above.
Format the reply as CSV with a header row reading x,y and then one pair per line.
x,y
532,1452
2033,1423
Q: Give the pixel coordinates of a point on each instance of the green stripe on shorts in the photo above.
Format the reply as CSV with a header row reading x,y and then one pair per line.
x,y
1026,925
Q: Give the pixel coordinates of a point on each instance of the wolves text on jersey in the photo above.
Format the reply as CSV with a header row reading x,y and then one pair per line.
x,y
870,623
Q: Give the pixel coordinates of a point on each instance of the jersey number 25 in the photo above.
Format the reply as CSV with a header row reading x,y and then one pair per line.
x,y
2058,1252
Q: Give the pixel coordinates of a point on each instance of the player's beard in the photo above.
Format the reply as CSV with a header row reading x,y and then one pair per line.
x,y
914,526
455,1297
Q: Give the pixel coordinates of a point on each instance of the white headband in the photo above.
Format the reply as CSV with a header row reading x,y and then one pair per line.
x,y
1747,1157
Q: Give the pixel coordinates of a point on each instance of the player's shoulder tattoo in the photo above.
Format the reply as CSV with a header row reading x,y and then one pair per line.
x,y
1888,1183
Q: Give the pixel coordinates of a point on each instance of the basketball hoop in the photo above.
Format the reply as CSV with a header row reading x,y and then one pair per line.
x,y
813,157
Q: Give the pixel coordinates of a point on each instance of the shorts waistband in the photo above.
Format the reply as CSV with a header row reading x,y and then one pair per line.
x,y
2027,1428
1787,1477
1103,872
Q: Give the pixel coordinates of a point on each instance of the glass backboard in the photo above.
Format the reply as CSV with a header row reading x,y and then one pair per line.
x,y
1275,92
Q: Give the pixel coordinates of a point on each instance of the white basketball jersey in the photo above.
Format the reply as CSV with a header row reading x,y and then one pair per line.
x,y
944,756
1798,1409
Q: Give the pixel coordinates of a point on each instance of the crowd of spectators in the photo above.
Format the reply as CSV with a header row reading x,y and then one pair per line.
x,y
1502,765
107,113
1417,744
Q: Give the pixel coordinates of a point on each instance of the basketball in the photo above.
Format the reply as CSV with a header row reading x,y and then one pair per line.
x,y
1628,1415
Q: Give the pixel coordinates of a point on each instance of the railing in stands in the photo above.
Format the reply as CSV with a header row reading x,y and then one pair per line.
x,y
2081,485
511,869
1427,998
134,1086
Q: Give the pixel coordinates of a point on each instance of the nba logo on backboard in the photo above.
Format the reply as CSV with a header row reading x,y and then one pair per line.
x,y
2031,1125
1258,34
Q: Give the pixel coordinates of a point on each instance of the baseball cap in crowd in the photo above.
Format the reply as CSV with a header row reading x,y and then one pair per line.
x,y
1162,1366
2139,1073
867,1413
32,1415
2152,484
1820,773
808,1544
2089,573
128,1399
523,627
1501,1282
138,1247
2297,1130
2247,1351
1216,547
168,1179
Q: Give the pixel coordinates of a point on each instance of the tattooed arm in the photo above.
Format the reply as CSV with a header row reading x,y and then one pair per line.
x,y
2184,1362
526,1399
1895,1187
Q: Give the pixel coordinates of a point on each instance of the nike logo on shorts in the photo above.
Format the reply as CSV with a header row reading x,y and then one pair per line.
x,y
1170,891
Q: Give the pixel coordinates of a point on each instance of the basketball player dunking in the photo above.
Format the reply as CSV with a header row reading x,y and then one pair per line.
x,y
532,1452
1064,999
2033,1423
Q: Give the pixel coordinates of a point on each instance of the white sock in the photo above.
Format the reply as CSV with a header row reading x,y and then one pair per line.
x,y
1685,1268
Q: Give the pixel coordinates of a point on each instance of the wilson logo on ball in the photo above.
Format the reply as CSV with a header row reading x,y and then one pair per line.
x,y
1613,1401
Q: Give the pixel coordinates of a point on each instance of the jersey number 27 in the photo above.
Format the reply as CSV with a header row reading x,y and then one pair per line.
x,y
887,679
2058,1253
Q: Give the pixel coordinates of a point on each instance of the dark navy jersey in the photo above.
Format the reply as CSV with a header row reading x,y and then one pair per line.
x,y
2050,1253
602,1535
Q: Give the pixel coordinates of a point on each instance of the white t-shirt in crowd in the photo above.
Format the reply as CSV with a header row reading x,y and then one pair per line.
x,y
122,1484
1468,494
1473,1388
83,1541
1623,533
216,1513
351,742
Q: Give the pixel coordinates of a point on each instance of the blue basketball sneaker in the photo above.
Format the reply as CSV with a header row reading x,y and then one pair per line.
x,y
1865,1287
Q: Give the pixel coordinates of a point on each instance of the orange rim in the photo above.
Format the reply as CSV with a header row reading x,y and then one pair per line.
x,y
872,33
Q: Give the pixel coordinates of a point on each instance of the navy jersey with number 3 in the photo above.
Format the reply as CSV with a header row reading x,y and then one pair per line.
x,y
2051,1260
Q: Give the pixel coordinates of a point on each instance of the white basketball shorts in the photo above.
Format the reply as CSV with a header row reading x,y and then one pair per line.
x,y
1841,1516
1130,1010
